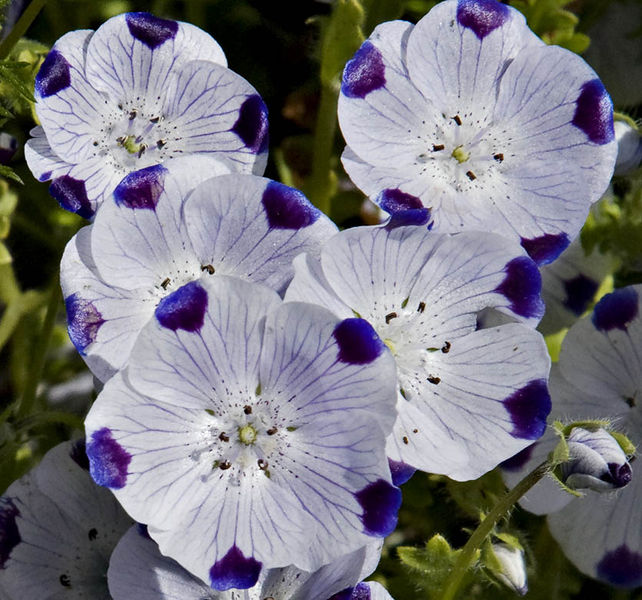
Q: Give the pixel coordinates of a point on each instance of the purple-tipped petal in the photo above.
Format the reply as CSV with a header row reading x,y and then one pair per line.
x,y
400,471
417,216
234,571
621,567
594,113
358,342
183,309
108,460
252,124
83,321
394,200
287,208
528,408
150,30
364,73
619,475
71,194
616,310
380,501
579,293
9,535
522,287
482,16
141,189
53,76
546,248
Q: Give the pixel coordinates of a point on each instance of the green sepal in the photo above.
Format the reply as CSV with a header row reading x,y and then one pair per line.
x,y
9,173
628,447
5,255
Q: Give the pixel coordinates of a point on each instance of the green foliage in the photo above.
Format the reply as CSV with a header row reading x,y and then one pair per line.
x,y
378,11
480,495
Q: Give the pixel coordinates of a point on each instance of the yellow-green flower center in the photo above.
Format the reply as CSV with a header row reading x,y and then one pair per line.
x,y
247,434
460,154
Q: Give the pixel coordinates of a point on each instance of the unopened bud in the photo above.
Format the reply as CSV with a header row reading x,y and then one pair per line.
x,y
629,147
512,568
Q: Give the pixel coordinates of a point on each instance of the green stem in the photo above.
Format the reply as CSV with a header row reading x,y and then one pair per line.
x,y
25,406
20,28
9,289
14,311
47,417
486,526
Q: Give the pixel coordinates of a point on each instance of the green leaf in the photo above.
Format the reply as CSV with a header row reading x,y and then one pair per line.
x,y
378,11
9,75
478,495
9,173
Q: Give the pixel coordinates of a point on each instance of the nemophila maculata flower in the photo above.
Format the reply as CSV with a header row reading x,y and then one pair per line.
x,y
58,529
170,225
248,433
470,114
137,569
599,376
136,92
467,397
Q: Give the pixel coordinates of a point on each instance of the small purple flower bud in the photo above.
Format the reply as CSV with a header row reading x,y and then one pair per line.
x,y
512,567
8,147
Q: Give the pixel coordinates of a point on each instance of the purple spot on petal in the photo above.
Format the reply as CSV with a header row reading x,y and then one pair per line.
x,y
522,287
594,113
183,309
71,194
515,463
287,208
621,567
9,535
417,216
361,592
394,200
616,310
141,189
234,571
364,73
343,594
482,16
108,460
53,76
579,293
546,248
150,30
358,342
380,501
528,408
252,124
83,321
45,176
619,474
78,454
400,471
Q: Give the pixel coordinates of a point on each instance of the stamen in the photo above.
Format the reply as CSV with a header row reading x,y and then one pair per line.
x,y
132,114
390,317
224,437
457,119
263,464
498,157
247,409
471,175
142,149
272,431
446,347
160,143
154,120
65,581
404,439
92,534
437,147
434,380
226,464
208,268
165,283
421,307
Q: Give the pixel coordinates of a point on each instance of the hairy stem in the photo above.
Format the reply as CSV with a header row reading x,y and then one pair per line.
x,y
20,28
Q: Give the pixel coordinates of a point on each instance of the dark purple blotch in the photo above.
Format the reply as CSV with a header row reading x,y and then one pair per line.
x,y
361,592
618,475
343,594
71,194
108,460
141,189
9,534
380,502
621,567
252,124
358,342
594,113
546,248
516,462
482,16
142,531
54,75
364,73
234,571
400,471
45,176
579,293
616,310
150,30
522,286
83,321
287,208
78,454
393,200
416,216
183,309
528,408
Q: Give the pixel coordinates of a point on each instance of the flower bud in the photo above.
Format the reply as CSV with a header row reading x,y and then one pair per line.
x,y
629,147
512,571
596,461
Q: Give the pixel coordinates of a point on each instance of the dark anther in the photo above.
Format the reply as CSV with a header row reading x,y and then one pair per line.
x,y
132,114
437,147
262,464
160,143
446,348
498,157
390,317
120,106
165,283
272,431
433,379
630,401
154,120
457,119
223,437
247,409
93,534
404,439
471,175
95,143
226,464
65,581
142,149
208,268
421,307
121,139
415,430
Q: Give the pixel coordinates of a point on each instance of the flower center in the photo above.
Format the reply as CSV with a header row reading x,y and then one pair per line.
x,y
247,434
460,155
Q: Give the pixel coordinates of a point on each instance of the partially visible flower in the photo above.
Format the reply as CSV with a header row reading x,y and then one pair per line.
x,y
629,147
470,114
136,92
57,530
248,433
468,398
512,569
170,225
8,147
